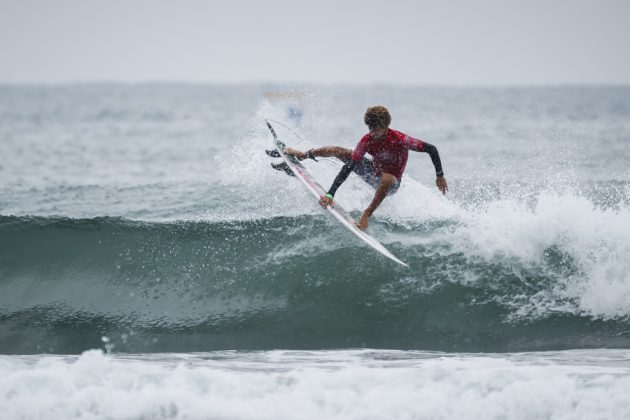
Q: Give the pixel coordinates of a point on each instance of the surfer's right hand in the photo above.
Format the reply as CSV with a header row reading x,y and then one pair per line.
x,y
293,152
325,201
441,184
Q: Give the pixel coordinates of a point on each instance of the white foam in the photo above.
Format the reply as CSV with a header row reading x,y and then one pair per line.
x,y
595,242
315,385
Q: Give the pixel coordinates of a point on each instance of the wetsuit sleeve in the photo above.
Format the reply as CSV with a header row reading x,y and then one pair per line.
x,y
422,146
341,176
435,158
357,154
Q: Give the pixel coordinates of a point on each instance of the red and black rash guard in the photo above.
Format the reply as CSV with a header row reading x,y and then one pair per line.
x,y
389,155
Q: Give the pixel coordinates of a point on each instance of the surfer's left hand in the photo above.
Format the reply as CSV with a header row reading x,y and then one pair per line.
x,y
441,184
325,201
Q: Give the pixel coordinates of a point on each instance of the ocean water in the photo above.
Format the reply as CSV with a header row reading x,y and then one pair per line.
x,y
153,265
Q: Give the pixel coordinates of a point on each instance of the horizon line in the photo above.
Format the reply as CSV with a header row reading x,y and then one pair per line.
x,y
105,82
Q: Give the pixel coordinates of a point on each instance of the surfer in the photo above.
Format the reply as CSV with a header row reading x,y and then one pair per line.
x,y
389,150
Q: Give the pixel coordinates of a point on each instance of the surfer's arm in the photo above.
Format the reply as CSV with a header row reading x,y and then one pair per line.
x,y
422,146
327,200
435,158
440,181
351,158
341,177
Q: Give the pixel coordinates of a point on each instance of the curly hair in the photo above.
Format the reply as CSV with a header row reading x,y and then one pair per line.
x,y
377,117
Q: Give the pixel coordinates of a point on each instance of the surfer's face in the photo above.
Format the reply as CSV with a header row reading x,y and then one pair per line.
x,y
378,133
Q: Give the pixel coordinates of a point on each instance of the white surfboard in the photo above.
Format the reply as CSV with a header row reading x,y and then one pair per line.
x,y
336,210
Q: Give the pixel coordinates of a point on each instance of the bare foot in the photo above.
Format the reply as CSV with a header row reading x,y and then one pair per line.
x,y
363,222
294,152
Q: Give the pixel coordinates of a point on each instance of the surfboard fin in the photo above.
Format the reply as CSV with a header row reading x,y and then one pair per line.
x,y
282,166
273,153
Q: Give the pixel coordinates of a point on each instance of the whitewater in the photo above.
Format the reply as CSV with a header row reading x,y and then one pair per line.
x,y
153,265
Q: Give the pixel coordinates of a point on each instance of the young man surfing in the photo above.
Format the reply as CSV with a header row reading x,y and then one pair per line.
x,y
389,150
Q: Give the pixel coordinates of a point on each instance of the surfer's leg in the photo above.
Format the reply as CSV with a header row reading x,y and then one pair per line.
x,y
383,189
387,182
366,171
393,186
340,153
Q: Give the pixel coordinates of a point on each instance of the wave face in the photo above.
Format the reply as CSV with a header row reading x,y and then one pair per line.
x,y
289,282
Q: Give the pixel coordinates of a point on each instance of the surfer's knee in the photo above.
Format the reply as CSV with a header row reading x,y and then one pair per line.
x,y
390,182
388,179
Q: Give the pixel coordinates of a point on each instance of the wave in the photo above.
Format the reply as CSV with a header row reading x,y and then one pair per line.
x,y
350,384
294,282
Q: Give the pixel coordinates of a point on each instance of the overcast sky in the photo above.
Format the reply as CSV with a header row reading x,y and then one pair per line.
x,y
441,42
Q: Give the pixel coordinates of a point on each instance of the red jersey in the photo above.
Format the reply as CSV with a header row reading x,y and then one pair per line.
x,y
390,154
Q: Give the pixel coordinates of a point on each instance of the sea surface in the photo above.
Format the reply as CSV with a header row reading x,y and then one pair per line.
x,y
154,265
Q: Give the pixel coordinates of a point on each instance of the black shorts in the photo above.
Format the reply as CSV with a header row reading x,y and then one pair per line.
x,y
366,171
